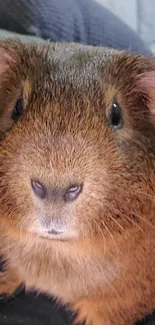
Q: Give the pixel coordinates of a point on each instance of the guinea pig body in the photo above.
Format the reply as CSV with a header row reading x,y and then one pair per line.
x,y
77,175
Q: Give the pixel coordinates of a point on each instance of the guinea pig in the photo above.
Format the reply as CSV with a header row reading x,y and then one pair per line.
x,y
77,178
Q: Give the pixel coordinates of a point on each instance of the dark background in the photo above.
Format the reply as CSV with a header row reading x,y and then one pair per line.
x,y
30,309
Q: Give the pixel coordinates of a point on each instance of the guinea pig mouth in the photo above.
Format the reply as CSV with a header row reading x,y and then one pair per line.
x,y
56,234
53,228
52,234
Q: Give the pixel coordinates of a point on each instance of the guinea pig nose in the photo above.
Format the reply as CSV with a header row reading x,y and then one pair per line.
x,y
72,193
38,189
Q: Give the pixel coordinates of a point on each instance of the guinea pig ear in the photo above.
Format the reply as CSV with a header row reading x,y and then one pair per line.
x,y
10,85
11,68
145,86
5,60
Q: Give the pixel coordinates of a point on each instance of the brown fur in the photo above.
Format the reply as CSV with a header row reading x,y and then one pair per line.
x,y
105,269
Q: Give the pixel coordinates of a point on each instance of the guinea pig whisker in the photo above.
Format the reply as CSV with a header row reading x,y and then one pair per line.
x,y
109,232
149,196
117,251
125,215
99,228
118,224
145,220
7,249
101,232
37,294
20,232
132,221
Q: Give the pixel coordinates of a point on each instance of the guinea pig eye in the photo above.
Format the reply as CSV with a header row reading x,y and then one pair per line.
x,y
18,110
116,120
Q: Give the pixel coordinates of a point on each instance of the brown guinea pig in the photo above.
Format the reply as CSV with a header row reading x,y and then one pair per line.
x,y
77,178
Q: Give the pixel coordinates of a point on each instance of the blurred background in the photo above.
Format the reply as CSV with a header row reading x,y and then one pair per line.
x,y
138,14
120,24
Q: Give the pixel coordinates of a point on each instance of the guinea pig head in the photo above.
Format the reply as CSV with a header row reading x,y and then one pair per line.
x,y
77,153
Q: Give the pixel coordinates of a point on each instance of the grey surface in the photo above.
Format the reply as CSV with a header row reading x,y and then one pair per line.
x,y
138,14
82,21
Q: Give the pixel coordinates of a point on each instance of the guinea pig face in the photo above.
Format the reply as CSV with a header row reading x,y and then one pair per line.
x,y
54,169
69,166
